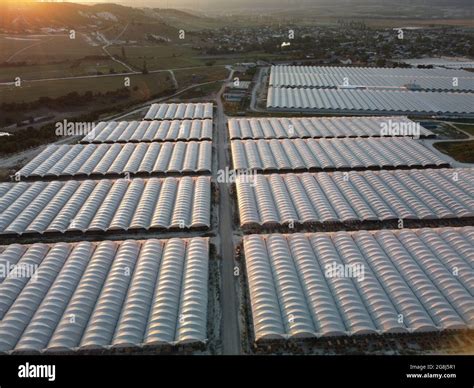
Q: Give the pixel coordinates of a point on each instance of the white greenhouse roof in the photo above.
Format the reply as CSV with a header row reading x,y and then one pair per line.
x,y
372,77
149,131
181,111
272,200
369,101
119,159
105,205
319,154
390,282
320,127
96,295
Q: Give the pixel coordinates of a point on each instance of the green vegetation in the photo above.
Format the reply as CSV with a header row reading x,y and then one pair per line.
x,y
98,98
4,174
201,91
159,56
188,77
33,137
46,49
86,66
468,128
188,21
27,138
175,56
251,56
462,151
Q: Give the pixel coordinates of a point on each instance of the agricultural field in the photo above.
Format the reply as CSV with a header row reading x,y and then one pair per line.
x,y
199,92
189,21
60,70
468,128
38,49
159,56
140,32
462,151
186,77
146,85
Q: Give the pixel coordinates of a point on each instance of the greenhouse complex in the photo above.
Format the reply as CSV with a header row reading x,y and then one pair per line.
x,y
89,214
375,91
192,230
355,227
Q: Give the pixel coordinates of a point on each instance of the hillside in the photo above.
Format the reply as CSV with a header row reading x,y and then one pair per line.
x,y
186,20
20,16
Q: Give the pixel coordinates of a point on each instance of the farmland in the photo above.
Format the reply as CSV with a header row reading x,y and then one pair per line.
x,y
468,128
462,151
159,56
59,70
146,85
40,49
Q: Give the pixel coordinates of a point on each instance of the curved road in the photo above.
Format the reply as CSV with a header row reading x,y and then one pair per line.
x,y
109,43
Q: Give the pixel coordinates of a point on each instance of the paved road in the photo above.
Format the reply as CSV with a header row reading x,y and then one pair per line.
x,y
230,306
256,89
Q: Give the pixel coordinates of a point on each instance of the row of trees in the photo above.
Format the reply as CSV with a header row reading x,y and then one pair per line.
x,y
68,100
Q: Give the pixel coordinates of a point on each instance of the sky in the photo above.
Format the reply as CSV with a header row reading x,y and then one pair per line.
x,y
284,3
275,4
230,3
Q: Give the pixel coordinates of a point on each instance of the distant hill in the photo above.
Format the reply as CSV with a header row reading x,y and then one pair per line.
x,y
19,15
185,20
33,15
249,6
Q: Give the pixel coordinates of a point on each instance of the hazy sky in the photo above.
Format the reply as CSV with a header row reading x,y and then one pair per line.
x,y
222,5
237,3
